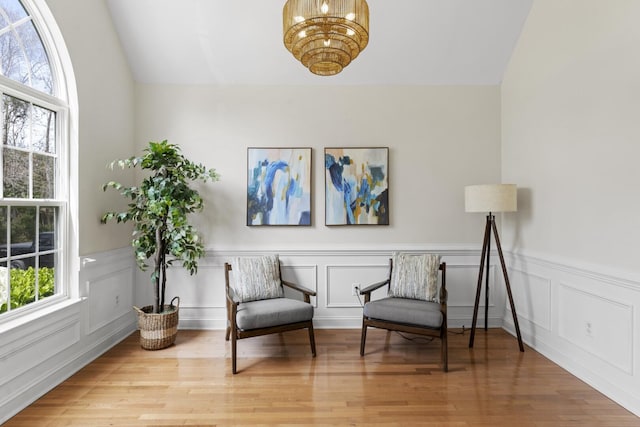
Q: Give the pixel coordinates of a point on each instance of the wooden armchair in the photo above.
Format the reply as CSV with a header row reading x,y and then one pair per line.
x,y
416,316
251,317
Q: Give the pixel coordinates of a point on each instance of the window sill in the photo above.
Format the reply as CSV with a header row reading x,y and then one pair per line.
x,y
24,318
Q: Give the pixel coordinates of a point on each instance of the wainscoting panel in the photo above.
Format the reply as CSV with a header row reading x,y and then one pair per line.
x,y
303,275
459,296
532,297
204,289
39,343
341,279
597,325
332,274
43,349
583,319
110,296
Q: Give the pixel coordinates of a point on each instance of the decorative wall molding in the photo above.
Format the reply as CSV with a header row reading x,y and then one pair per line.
x,y
597,325
56,342
340,279
40,342
331,272
544,293
533,290
598,272
383,249
581,318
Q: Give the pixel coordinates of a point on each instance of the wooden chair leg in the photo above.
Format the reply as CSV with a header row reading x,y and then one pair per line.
x,y
234,339
363,338
312,340
445,352
226,338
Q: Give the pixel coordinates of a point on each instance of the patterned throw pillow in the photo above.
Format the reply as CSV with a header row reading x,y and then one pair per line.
x,y
415,277
257,278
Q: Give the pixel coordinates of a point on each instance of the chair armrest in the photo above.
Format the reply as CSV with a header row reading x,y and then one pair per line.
x,y
299,288
373,287
307,293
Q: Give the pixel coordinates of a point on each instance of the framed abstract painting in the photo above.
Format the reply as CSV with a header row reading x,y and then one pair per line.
x,y
356,186
278,186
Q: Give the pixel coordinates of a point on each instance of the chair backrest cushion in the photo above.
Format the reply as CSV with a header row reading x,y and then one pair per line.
x,y
257,278
415,276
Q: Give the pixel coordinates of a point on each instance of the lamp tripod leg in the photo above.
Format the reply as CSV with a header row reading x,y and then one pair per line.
x,y
486,275
506,281
483,257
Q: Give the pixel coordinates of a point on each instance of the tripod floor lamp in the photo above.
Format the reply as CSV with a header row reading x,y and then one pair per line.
x,y
491,198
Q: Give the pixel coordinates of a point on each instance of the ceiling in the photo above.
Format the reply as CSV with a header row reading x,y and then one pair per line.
x,y
239,42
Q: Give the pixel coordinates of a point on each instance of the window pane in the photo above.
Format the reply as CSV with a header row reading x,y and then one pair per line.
x,y
48,239
48,220
43,130
16,173
23,264
23,284
46,282
16,122
43,176
14,64
4,289
3,234
3,225
13,9
23,229
24,58
40,71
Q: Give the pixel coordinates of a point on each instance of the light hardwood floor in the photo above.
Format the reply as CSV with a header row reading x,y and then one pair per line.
x,y
398,383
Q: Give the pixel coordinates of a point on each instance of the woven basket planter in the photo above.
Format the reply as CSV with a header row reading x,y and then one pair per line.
x,y
158,331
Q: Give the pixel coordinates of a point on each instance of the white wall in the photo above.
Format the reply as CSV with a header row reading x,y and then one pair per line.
x,y
570,132
570,129
440,139
106,123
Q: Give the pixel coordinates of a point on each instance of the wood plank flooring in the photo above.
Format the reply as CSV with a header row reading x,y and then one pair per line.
x,y
398,383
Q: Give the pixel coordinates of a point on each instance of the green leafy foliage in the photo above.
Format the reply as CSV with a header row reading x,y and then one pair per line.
x,y
159,209
23,286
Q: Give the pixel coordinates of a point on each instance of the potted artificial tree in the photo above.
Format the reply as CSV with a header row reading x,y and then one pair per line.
x,y
159,209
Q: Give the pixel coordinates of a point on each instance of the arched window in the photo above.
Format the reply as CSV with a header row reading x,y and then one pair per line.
x,y
34,179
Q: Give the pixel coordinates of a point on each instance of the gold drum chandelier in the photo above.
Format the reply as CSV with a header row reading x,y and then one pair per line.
x,y
325,35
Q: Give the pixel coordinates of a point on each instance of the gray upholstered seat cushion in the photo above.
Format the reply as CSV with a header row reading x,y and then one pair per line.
x,y
272,312
404,310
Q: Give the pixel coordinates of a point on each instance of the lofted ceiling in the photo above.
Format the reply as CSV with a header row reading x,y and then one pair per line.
x,y
239,42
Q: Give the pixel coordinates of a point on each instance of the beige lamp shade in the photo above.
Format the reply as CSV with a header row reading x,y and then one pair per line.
x,y
491,198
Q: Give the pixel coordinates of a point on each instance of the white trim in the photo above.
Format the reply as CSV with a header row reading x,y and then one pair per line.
x,y
605,273
367,250
65,103
590,358
29,94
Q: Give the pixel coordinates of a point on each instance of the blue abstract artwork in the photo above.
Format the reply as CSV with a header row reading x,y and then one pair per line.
x,y
356,186
279,186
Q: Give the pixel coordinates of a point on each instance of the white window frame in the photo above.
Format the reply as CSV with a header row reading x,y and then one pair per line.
x,y
65,104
